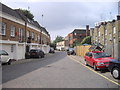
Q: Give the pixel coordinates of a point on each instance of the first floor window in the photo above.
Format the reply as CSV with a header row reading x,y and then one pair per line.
x,y
119,34
12,33
20,33
105,32
114,30
32,35
28,33
3,28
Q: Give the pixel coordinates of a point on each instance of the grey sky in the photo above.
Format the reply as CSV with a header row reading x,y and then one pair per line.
x,y
61,18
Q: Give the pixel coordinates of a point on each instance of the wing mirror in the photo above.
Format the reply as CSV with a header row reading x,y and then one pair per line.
x,y
110,55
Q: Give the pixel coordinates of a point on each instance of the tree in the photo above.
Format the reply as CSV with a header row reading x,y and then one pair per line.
x,y
58,39
27,13
76,43
86,40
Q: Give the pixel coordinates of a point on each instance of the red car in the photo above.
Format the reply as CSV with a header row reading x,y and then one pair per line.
x,y
97,59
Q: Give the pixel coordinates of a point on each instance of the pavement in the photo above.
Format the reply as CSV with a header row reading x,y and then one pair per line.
x,y
27,60
78,58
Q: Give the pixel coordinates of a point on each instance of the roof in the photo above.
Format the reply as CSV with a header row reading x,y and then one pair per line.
x,y
18,14
35,23
10,11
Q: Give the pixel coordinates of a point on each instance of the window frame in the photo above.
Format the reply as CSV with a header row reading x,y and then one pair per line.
x,y
12,29
5,27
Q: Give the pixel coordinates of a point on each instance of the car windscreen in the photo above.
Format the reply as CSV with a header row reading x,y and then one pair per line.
x,y
71,49
2,52
100,55
33,51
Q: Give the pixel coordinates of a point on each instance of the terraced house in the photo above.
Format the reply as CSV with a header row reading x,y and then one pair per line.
x,y
108,34
19,34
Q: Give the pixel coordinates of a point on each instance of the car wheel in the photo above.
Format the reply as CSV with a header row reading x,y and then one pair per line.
x,y
42,56
116,73
39,56
9,62
94,67
86,63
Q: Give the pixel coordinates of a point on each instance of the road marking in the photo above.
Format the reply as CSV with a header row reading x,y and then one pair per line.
x,y
95,71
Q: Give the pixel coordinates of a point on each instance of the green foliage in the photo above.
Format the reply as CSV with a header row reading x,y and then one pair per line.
x,y
53,45
58,39
28,14
75,43
86,40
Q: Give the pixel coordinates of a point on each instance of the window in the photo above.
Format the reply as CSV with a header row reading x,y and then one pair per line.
x,y
99,33
105,32
110,36
12,48
102,37
114,30
38,38
106,42
32,35
20,34
75,34
12,32
3,28
119,34
96,38
28,33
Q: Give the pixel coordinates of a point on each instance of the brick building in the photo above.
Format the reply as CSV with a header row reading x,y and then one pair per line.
x,y
108,34
20,34
77,35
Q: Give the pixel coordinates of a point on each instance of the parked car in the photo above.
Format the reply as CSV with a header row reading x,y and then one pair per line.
x,y
36,53
114,68
70,51
4,57
52,50
97,59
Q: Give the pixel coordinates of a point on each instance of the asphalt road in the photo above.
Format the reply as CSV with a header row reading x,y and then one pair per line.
x,y
54,71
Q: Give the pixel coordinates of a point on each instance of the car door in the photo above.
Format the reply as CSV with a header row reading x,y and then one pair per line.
x,y
87,57
90,59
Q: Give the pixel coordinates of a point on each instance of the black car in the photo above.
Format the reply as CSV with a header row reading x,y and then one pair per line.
x,y
70,51
36,53
114,68
52,50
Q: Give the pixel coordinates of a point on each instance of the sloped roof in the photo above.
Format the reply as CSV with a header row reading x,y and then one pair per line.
x,y
9,11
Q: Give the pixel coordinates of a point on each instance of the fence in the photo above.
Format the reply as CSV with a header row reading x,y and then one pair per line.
x,y
81,50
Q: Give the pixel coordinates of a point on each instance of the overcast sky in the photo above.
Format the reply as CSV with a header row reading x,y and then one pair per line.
x,y
61,18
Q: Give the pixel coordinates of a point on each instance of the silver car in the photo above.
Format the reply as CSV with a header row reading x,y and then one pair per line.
x,y
4,57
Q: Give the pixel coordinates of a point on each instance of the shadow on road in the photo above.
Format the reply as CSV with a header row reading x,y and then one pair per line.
x,y
14,71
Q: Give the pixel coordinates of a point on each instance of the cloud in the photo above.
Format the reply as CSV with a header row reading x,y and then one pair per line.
x,y
60,18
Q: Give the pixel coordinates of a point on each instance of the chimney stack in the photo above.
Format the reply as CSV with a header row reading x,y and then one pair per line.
x,y
87,29
118,17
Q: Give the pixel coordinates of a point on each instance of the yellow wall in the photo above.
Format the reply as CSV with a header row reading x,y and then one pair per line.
x,y
81,50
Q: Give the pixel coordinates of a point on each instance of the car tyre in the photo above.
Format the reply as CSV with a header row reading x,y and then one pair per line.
x,y
86,63
9,62
94,67
116,73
